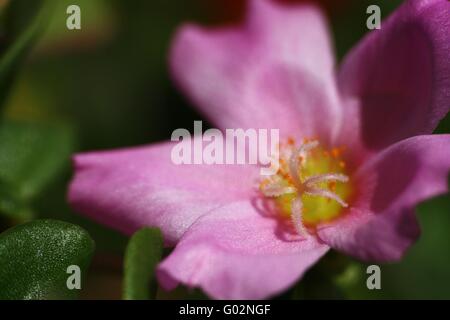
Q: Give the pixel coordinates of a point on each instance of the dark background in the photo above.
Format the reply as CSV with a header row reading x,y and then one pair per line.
x,y
107,86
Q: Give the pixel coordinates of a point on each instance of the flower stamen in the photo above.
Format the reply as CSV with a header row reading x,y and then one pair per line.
x,y
290,180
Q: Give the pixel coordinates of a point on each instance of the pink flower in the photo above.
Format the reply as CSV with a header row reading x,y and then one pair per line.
x,y
357,145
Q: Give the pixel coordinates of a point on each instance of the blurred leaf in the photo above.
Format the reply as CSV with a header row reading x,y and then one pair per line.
x,y
322,281
97,19
18,15
30,155
11,205
34,258
144,251
351,276
20,39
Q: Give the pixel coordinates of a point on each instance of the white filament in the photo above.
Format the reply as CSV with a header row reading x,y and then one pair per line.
x,y
326,177
296,216
326,194
277,190
295,157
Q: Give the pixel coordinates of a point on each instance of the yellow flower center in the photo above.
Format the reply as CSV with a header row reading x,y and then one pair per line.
x,y
311,185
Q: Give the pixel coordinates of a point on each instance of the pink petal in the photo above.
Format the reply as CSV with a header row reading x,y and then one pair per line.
x,y
276,71
297,35
398,77
236,253
381,224
132,188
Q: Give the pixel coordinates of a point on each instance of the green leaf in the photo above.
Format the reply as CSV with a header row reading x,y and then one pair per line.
x,y
20,39
143,253
11,205
35,256
30,156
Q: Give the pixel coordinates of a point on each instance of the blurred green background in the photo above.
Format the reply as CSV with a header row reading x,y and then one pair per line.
x,y
107,86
